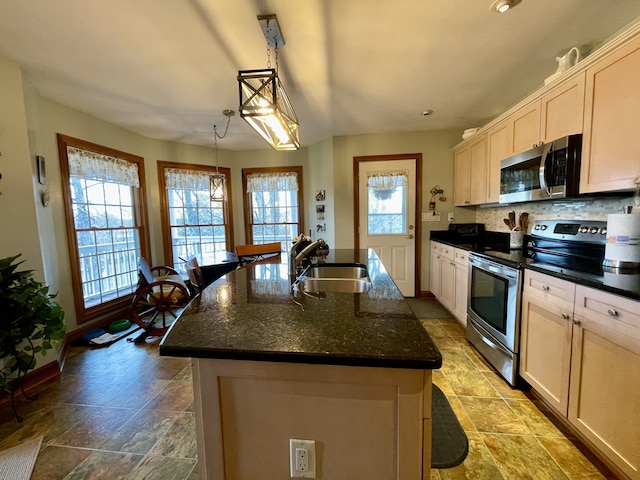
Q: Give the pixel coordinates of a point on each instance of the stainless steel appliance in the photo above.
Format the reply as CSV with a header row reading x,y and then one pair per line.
x,y
548,171
493,313
574,247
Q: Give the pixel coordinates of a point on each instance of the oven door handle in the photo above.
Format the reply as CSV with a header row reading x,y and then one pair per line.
x,y
483,337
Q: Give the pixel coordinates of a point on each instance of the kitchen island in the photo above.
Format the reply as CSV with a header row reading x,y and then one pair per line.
x,y
350,371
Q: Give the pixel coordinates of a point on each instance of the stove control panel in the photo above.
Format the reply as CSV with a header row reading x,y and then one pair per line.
x,y
586,231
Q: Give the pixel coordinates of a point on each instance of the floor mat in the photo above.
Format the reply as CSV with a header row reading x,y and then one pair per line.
x,y
102,338
428,308
449,443
17,463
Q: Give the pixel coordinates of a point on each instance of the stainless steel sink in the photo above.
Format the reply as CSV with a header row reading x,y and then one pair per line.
x,y
336,271
350,278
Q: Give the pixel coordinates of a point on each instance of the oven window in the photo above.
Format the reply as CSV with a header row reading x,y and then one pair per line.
x,y
489,294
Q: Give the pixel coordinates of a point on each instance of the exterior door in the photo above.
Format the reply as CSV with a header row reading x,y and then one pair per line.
x,y
387,202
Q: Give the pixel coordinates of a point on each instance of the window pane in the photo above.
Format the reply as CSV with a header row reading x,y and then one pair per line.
x,y
275,215
387,211
195,210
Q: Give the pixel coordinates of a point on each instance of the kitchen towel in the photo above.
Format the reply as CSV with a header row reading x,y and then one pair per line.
x,y
623,238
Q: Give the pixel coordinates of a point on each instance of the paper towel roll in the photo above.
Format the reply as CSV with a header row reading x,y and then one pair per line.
x,y
623,239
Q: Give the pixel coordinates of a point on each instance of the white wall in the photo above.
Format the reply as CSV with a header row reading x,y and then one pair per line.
x,y
18,217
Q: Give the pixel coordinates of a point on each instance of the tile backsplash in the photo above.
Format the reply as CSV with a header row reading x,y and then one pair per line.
x,y
584,209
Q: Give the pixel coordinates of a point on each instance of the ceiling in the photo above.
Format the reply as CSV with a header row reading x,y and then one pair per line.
x,y
166,69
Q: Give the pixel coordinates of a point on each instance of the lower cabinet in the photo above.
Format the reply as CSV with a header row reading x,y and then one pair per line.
x,y
366,422
449,278
580,350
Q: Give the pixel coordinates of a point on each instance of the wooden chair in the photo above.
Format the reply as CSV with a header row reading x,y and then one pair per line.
x,y
160,297
195,274
253,253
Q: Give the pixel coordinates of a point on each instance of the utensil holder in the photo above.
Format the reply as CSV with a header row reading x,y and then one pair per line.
x,y
516,239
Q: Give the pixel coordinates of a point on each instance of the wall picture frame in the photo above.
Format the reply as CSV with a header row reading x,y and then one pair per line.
x,y
42,172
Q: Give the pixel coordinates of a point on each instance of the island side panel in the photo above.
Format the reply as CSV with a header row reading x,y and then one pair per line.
x,y
366,422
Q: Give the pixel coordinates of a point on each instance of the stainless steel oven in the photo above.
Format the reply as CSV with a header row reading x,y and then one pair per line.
x,y
493,313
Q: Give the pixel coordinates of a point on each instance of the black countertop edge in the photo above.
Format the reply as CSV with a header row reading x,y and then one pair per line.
x,y
319,359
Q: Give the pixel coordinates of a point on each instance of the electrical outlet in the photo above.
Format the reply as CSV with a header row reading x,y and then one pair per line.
x,y
302,458
450,217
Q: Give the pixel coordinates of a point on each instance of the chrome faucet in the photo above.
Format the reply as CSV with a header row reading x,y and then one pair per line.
x,y
306,251
292,253
296,258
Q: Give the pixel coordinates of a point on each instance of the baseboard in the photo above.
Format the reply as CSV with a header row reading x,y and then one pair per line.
x,y
35,380
608,469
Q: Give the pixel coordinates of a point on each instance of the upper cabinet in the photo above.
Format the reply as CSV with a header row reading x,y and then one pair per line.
x,y
562,110
611,144
599,98
525,132
470,173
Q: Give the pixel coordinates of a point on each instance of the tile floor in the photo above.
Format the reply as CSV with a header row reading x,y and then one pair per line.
x,y
124,412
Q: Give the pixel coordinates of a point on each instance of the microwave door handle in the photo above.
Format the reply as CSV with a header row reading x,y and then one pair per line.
x,y
546,149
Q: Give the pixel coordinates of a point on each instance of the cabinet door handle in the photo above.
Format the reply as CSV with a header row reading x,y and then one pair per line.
x,y
612,312
575,322
565,316
545,288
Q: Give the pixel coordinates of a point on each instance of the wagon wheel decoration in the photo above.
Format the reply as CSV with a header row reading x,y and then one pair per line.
x,y
157,305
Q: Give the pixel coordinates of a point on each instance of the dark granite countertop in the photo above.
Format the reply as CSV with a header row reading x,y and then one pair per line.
x,y
626,284
251,314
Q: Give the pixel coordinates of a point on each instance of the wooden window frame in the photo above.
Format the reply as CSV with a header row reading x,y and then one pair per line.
x,y
246,197
84,314
164,204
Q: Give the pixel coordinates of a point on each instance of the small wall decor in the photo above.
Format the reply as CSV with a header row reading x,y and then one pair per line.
x,y
42,174
436,191
321,228
320,196
320,212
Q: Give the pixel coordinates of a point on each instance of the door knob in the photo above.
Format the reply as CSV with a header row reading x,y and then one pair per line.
x,y
410,227
409,236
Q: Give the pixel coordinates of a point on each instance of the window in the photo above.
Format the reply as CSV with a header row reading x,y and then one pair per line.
x,y
387,208
105,212
272,204
192,224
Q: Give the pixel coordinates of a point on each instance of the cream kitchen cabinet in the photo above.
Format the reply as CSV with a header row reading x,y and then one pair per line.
x,y
545,337
580,350
470,173
461,285
449,278
562,109
604,393
499,142
435,284
611,144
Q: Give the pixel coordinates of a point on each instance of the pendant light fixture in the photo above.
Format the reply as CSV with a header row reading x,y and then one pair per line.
x,y
264,104
216,180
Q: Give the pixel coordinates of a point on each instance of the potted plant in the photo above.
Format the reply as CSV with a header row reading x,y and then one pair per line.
x,y
30,323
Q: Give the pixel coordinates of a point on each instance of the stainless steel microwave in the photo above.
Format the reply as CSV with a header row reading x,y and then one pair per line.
x,y
546,172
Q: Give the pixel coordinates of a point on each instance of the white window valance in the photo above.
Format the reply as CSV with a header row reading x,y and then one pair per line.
x,y
186,179
96,166
272,182
387,180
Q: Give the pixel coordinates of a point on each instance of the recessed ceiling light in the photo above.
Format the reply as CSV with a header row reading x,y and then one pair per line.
x,y
426,113
503,6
